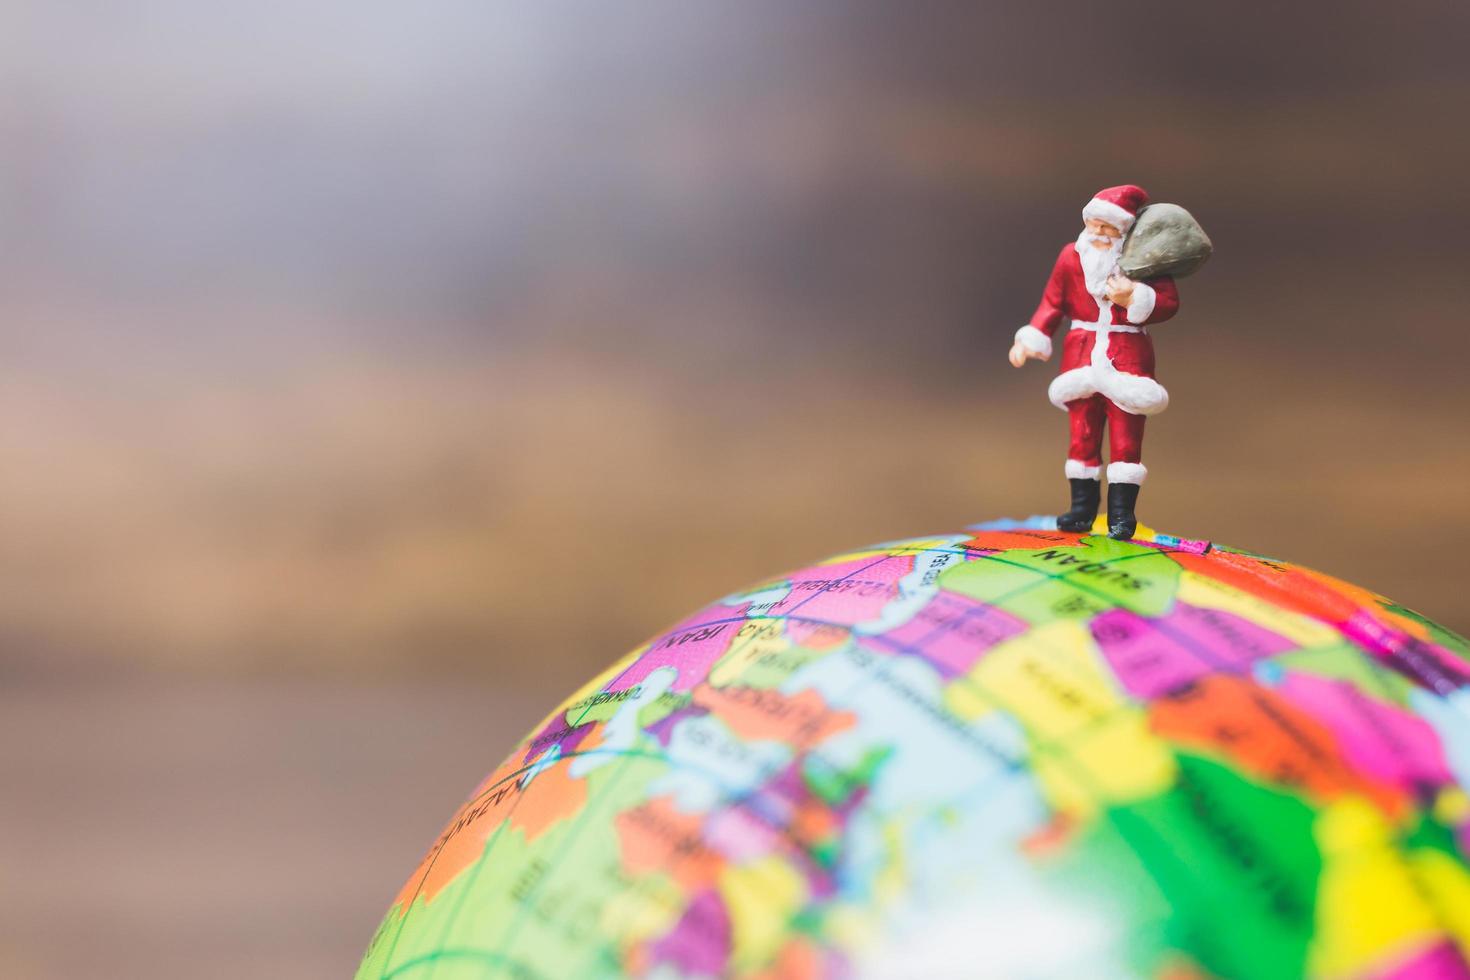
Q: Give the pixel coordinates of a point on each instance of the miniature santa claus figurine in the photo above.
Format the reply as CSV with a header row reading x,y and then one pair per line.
x,y
1107,371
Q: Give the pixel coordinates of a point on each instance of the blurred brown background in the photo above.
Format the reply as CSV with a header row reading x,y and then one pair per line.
x,y
372,373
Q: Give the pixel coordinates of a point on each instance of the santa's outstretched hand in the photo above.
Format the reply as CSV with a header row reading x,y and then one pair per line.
x,y
1020,354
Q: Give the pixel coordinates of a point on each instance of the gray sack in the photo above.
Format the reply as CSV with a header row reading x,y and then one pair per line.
x,y
1165,241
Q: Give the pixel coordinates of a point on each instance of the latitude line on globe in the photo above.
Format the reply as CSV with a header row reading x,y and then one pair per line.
x,y
911,649
642,649
648,646
466,953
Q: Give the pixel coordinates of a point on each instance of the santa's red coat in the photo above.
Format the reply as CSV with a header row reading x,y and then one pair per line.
x,y
1108,350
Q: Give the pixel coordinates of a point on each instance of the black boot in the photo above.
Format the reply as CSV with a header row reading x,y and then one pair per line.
x,y
1086,494
1121,500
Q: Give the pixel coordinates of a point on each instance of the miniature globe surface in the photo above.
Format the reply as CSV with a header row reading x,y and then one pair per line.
x,y
1006,752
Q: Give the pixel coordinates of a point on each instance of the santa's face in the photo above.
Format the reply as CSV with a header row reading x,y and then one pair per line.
x,y
1100,234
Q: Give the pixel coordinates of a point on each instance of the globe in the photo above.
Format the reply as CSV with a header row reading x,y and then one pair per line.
x,y
1006,751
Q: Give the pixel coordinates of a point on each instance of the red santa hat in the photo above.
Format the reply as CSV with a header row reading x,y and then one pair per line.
x,y
1118,206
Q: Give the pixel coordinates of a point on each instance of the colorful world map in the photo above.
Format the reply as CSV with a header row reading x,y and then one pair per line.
x,y
1007,751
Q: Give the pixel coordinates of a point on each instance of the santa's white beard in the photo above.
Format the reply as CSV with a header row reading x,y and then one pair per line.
x,y
1098,263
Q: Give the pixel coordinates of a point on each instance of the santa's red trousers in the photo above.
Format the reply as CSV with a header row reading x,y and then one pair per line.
x,y
1125,432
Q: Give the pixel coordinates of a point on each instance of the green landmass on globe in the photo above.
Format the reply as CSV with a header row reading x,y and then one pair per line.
x,y
1007,751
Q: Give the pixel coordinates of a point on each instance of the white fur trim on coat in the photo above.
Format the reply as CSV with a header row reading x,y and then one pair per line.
x,y
1071,385
1132,393
1034,340
1078,470
1109,212
1127,472
1141,307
